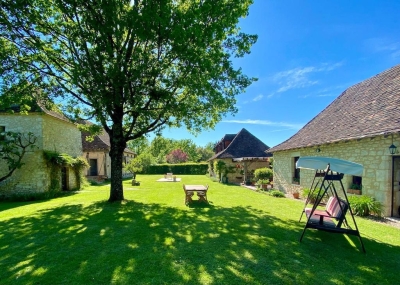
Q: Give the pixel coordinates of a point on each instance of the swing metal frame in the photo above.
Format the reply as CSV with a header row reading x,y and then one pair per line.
x,y
323,184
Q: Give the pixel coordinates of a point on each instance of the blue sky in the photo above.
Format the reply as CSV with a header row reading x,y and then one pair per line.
x,y
307,54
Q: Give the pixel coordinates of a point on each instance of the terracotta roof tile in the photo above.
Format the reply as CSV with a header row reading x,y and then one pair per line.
x,y
366,109
100,143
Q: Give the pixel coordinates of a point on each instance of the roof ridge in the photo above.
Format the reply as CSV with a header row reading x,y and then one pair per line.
x,y
367,108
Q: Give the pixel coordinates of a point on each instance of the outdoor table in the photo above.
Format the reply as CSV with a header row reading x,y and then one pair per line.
x,y
201,191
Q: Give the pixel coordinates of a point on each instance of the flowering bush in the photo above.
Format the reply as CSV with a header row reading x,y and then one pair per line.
x,y
177,156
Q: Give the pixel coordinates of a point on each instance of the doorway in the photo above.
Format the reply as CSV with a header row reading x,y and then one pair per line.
x,y
64,178
396,186
93,167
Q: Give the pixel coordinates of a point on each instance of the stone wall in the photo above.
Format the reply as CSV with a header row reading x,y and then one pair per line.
x,y
104,163
52,134
372,153
61,136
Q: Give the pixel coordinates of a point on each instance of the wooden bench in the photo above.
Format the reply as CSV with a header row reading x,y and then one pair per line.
x,y
335,209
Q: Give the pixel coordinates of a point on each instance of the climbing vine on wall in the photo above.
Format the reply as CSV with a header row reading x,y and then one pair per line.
x,y
56,161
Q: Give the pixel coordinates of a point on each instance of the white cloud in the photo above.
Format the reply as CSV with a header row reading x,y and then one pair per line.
x,y
396,54
329,67
299,77
266,123
258,98
384,45
332,91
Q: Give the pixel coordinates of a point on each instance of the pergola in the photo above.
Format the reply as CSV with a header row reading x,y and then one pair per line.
x,y
246,162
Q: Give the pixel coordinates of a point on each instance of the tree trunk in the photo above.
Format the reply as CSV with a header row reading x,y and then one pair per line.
x,y
118,145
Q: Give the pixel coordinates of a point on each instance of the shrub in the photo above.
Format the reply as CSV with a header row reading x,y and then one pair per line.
x,y
306,191
177,156
183,168
355,186
219,167
362,205
261,182
276,193
263,173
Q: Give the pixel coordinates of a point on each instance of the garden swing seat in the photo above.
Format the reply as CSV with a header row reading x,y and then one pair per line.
x,y
333,217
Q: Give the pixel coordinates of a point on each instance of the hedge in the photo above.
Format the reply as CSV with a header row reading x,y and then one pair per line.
x,y
185,168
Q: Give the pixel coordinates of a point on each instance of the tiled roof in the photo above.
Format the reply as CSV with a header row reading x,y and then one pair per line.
x,y
38,107
54,114
228,137
366,109
244,144
100,143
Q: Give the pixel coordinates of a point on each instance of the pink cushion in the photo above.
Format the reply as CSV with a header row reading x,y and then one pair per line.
x,y
333,207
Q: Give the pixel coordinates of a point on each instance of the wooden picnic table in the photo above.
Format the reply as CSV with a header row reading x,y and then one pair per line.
x,y
201,191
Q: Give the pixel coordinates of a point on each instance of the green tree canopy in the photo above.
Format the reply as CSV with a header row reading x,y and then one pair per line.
x,y
139,145
132,66
205,153
160,147
189,147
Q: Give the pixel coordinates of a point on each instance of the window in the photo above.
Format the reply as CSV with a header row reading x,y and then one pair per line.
x,y
296,171
2,133
356,183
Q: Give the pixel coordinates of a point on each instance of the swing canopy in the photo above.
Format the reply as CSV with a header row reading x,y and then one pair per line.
x,y
335,164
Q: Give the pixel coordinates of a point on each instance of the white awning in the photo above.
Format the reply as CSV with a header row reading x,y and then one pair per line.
x,y
337,165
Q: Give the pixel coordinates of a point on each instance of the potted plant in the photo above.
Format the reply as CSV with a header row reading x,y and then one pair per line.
x,y
311,195
355,189
296,194
263,183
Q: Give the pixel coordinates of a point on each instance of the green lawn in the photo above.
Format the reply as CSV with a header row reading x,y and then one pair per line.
x,y
242,237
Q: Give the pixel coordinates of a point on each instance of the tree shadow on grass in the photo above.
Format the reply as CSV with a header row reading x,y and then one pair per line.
x,y
23,200
130,242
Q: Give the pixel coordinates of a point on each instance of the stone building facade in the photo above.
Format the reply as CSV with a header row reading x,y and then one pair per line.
x,y
96,153
359,126
381,175
100,163
54,133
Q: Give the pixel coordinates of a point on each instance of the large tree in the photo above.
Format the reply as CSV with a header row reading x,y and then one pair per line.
x,y
132,66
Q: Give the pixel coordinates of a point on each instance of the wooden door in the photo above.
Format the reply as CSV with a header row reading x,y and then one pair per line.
x,y
93,167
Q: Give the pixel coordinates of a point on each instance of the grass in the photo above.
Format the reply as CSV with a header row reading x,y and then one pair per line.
x,y
241,237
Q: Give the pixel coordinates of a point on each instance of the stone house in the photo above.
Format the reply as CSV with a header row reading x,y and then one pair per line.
x,y
97,155
243,153
54,133
359,126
